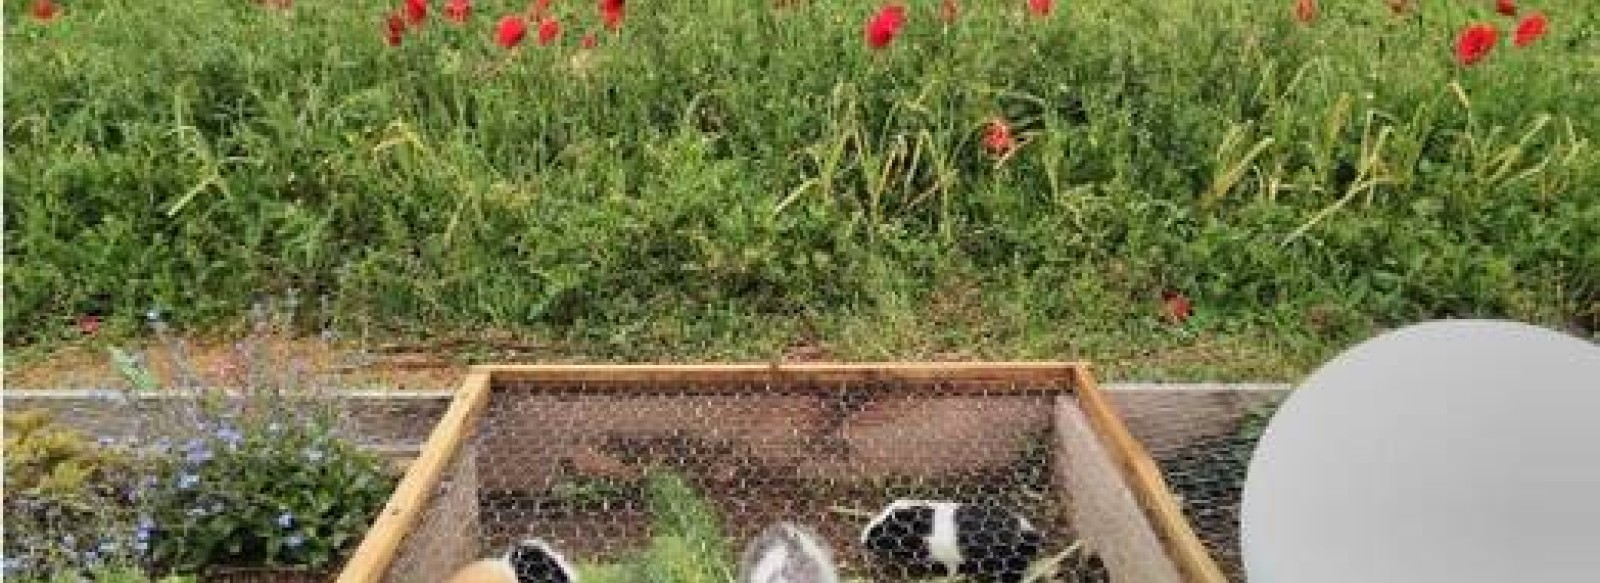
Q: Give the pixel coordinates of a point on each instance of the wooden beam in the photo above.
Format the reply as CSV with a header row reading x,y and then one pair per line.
x,y
1013,372
1151,489
410,498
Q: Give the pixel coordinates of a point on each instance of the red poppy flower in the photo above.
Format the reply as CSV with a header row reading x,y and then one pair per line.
x,y
416,11
44,10
1305,11
949,10
589,41
510,31
88,324
394,29
458,11
549,30
883,27
1041,7
1177,306
612,11
1506,7
997,139
1475,43
1530,29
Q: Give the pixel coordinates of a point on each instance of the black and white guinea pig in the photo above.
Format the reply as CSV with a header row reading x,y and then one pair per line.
x,y
787,553
530,561
922,538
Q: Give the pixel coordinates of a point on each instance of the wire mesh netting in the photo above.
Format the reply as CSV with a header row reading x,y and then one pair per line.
x,y
900,479
1203,441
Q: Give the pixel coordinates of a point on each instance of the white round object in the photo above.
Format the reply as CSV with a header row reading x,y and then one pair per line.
x,y
1460,451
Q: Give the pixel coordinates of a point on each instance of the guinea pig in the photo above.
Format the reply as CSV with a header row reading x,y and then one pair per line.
x,y
923,538
530,561
787,553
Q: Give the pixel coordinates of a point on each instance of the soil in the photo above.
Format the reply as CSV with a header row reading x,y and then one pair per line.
x,y
88,365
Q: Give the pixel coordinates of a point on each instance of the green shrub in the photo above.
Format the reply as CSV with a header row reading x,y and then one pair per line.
x,y
269,488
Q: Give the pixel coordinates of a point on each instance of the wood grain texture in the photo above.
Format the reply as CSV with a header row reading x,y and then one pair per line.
x,y
599,375
410,498
1145,479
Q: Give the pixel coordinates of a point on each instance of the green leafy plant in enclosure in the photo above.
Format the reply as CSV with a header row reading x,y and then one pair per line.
x,y
688,544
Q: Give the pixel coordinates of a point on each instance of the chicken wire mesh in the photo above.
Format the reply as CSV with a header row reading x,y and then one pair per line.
x,y
1203,440
628,478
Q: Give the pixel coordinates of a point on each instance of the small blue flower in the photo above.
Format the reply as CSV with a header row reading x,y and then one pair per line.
x,y
294,540
187,481
286,519
146,523
314,455
197,452
230,436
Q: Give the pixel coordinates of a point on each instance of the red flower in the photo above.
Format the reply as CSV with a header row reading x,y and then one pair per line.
x,y
1475,43
510,32
44,10
612,11
88,324
1506,7
458,11
1305,11
997,139
883,27
549,30
589,41
416,11
1177,306
1530,29
1041,7
394,29
949,10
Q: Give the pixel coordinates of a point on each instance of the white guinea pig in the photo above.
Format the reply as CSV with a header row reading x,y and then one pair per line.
x,y
787,553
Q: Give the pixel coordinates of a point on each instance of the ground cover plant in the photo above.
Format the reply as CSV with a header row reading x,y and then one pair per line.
x,y
1223,189
199,476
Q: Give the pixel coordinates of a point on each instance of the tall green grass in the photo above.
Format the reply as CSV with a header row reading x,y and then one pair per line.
x,y
724,177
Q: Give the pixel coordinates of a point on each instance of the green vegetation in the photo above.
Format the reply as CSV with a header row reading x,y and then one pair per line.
x,y
723,179
687,544
261,479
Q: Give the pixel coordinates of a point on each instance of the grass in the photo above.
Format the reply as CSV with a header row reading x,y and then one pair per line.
x,y
727,180
687,543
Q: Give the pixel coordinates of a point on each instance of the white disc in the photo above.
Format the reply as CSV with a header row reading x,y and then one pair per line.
x,y
1460,451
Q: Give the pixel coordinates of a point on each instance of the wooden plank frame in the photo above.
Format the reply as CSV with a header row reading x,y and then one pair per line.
x,y
410,498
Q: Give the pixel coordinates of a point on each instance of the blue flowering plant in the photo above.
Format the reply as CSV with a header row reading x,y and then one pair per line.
x,y
252,475
276,488
244,470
